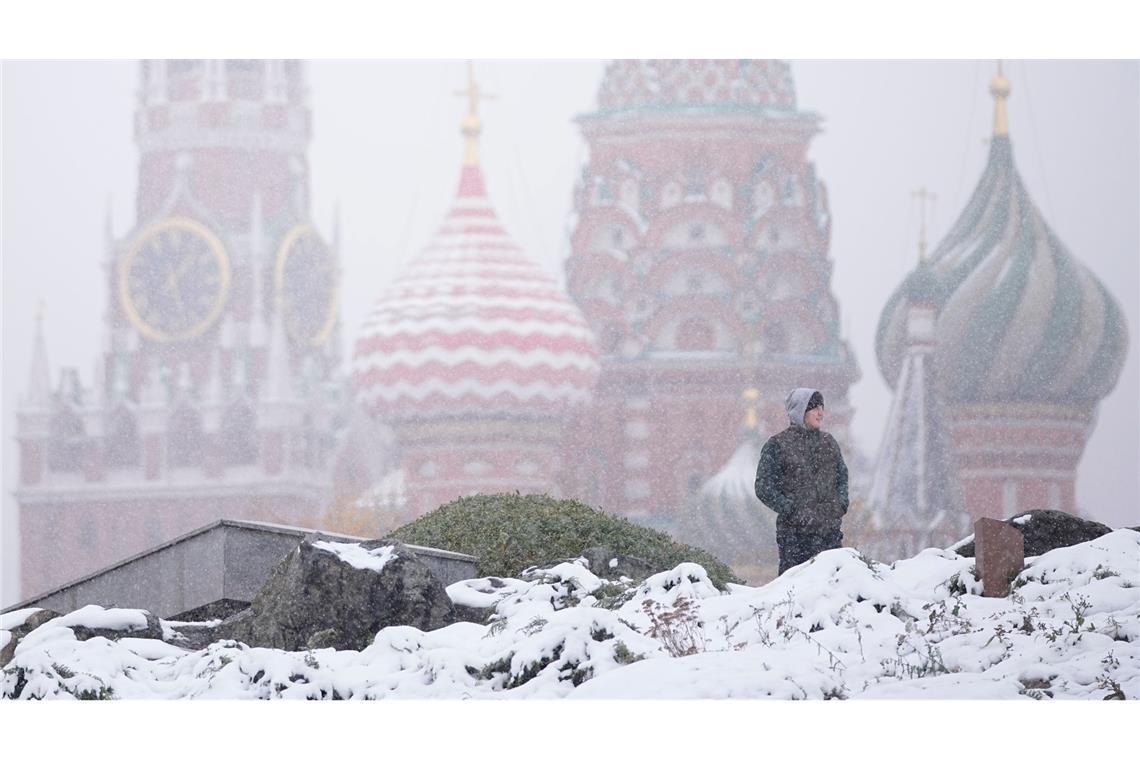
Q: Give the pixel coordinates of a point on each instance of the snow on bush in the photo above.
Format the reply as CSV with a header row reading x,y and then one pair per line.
x,y
840,626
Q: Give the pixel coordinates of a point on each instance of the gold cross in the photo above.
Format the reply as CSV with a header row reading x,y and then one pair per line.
x,y
922,194
473,93
470,125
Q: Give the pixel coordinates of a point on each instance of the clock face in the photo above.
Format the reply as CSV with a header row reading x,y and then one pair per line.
x,y
174,280
306,286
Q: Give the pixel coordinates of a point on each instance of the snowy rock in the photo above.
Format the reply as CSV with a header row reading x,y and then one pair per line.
x,y
474,599
191,634
18,624
112,624
605,563
331,594
1045,530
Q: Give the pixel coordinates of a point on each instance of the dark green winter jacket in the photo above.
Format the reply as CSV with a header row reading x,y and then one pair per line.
x,y
802,476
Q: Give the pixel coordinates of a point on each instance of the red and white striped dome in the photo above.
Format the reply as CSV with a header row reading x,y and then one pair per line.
x,y
473,327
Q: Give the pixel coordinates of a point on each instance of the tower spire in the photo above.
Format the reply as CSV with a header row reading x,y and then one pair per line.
x,y
109,222
39,378
999,88
923,196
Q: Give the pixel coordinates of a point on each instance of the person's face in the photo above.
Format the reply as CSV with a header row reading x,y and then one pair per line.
x,y
814,418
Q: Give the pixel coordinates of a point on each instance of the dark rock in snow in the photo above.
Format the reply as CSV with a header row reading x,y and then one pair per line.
x,y
33,621
318,598
605,563
153,630
477,615
194,635
1047,529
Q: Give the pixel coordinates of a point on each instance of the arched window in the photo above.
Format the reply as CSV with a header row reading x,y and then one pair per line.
x,y
775,339
122,445
695,334
239,435
245,79
65,446
184,439
610,339
183,79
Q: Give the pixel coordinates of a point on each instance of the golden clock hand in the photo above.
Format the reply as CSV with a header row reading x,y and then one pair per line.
x,y
182,267
173,289
178,300
176,273
171,278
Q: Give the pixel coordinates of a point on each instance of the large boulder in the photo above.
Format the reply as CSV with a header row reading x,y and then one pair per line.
x,y
1045,530
333,594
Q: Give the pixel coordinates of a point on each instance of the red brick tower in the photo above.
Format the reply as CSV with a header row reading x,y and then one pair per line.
x,y
700,258
212,396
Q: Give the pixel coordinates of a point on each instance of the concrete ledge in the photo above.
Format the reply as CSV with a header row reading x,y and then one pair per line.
x,y
225,561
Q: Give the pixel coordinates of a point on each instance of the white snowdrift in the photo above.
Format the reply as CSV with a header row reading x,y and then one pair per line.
x,y
837,627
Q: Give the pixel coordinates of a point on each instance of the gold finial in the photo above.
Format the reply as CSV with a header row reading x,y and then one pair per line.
x,y
999,88
471,126
751,413
923,195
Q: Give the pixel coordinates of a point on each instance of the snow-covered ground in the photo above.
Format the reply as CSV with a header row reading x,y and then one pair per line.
x,y
837,627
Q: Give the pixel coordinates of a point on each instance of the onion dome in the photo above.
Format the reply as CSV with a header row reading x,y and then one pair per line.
x,y
635,84
1019,318
473,326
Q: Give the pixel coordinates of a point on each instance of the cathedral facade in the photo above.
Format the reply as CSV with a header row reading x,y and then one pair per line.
x,y
700,257
215,392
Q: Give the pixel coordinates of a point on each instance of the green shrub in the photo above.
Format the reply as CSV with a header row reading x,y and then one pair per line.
x,y
509,533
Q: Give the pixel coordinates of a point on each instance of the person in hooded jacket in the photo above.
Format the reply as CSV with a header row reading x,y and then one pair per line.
x,y
803,479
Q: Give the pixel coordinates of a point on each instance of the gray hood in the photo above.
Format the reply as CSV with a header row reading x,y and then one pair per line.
x,y
796,404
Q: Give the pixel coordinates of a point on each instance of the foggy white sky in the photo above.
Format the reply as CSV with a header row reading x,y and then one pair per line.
x,y
387,148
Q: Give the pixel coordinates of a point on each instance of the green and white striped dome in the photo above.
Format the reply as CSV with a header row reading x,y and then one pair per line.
x,y
1020,319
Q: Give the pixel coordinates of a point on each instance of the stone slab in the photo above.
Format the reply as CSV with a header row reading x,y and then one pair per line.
x,y
1000,552
226,561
